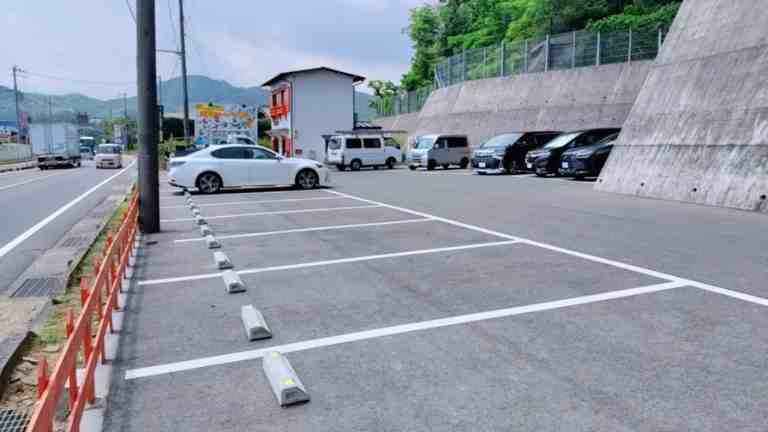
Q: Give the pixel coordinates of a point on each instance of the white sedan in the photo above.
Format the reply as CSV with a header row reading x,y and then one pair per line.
x,y
234,166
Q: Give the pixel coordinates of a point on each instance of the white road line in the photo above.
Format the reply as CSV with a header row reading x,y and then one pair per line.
x,y
637,269
269,213
311,229
429,216
40,225
226,203
394,330
31,180
328,262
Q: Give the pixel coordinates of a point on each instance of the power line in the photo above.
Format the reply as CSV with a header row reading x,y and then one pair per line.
x,y
130,10
78,81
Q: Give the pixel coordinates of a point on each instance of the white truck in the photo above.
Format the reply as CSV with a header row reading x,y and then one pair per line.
x,y
55,145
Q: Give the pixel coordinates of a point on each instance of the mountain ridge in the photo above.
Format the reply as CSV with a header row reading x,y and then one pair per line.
x,y
202,89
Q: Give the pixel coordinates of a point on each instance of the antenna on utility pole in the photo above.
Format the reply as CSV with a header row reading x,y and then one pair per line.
x,y
184,71
149,187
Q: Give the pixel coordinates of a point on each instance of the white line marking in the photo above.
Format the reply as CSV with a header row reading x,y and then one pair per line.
x,y
225,203
269,213
328,262
31,180
429,216
312,229
40,225
637,269
394,330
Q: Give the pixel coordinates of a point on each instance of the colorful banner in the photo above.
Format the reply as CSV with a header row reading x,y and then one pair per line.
x,y
215,122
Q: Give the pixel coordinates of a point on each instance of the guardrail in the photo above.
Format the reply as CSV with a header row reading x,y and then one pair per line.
x,y
552,52
99,297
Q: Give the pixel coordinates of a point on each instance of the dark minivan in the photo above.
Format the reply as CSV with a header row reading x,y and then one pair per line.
x,y
506,153
546,160
587,161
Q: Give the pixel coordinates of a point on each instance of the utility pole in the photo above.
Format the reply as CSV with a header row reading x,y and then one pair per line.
x,y
161,108
184,71
125,106
18,112
146,65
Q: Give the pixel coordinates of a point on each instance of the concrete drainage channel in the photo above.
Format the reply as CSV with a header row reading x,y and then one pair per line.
x,y
286,385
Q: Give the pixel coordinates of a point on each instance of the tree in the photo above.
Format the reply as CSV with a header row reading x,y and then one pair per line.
x,y
452,26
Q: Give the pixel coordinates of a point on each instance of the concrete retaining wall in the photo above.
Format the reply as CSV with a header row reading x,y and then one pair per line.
x,y
10,152
589,97
699,129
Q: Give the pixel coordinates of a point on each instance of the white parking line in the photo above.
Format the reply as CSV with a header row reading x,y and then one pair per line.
x,y
31,180
226,203
637,269
40,225
328,262
394,330
311,229
269,213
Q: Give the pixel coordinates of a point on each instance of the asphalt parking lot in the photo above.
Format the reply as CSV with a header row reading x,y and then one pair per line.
x,y
443,301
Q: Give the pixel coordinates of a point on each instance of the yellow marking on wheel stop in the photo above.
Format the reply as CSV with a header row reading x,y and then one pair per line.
x,y
289,382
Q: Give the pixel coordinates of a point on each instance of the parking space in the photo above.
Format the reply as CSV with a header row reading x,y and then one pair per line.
x,y
399,319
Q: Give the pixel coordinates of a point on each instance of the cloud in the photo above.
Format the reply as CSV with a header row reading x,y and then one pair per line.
x,y
241,41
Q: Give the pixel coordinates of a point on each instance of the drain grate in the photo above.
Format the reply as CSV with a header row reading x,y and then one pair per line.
x,y
35,287
73,242
13,421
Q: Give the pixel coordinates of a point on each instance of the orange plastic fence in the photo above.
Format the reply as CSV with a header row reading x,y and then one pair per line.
x,y
99,296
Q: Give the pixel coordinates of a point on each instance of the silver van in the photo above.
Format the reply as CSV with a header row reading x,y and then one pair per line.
x,y
431,151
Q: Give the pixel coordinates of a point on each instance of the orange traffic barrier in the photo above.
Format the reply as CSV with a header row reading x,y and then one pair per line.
x,y
99,297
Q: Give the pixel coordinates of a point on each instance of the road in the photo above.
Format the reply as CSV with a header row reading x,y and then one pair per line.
x,y
445,301
30,201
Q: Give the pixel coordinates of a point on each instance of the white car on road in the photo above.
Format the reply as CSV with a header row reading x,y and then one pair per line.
x,y
235,166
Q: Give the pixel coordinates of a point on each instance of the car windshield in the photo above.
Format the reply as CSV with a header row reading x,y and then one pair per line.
x,y
108,149
501,141
561,141
610,138
334,143
425,142
85,149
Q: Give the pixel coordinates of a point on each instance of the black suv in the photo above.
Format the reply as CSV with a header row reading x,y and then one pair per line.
x,y
546,160
587,161
506,153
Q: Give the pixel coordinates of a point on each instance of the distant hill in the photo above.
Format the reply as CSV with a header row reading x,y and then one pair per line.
x,y
201,90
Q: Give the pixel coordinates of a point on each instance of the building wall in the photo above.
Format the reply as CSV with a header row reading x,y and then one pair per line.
x,y
589,97
699,129
322,104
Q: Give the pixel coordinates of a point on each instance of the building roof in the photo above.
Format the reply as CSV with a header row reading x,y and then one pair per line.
x,y
281,76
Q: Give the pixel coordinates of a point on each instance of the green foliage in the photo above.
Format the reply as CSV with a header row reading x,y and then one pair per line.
x,y
452,26
638,18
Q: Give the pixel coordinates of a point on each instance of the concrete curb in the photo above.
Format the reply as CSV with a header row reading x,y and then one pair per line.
x,y
18,167
57,263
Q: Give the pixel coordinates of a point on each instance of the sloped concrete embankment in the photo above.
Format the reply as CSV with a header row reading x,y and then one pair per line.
x,y
565,100
699,129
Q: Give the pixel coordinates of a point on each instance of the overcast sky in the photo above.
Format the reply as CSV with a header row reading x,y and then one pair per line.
x,y
244,42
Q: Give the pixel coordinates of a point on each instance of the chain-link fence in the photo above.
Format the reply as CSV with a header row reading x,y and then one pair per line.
x,y
553,52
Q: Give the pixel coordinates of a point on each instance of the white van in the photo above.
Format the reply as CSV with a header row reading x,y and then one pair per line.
x,y
360,150
430,151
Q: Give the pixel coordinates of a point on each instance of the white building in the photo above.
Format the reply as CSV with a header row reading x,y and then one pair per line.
x,y
307,104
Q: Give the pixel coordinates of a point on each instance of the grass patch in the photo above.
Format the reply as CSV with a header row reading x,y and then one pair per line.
x,y
54,330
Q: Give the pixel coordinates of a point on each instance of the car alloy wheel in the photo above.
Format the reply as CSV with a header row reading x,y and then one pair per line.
x,y
209,183
355,165
307,179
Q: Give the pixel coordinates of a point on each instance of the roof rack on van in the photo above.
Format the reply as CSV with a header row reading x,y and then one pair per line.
x,y
369,131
